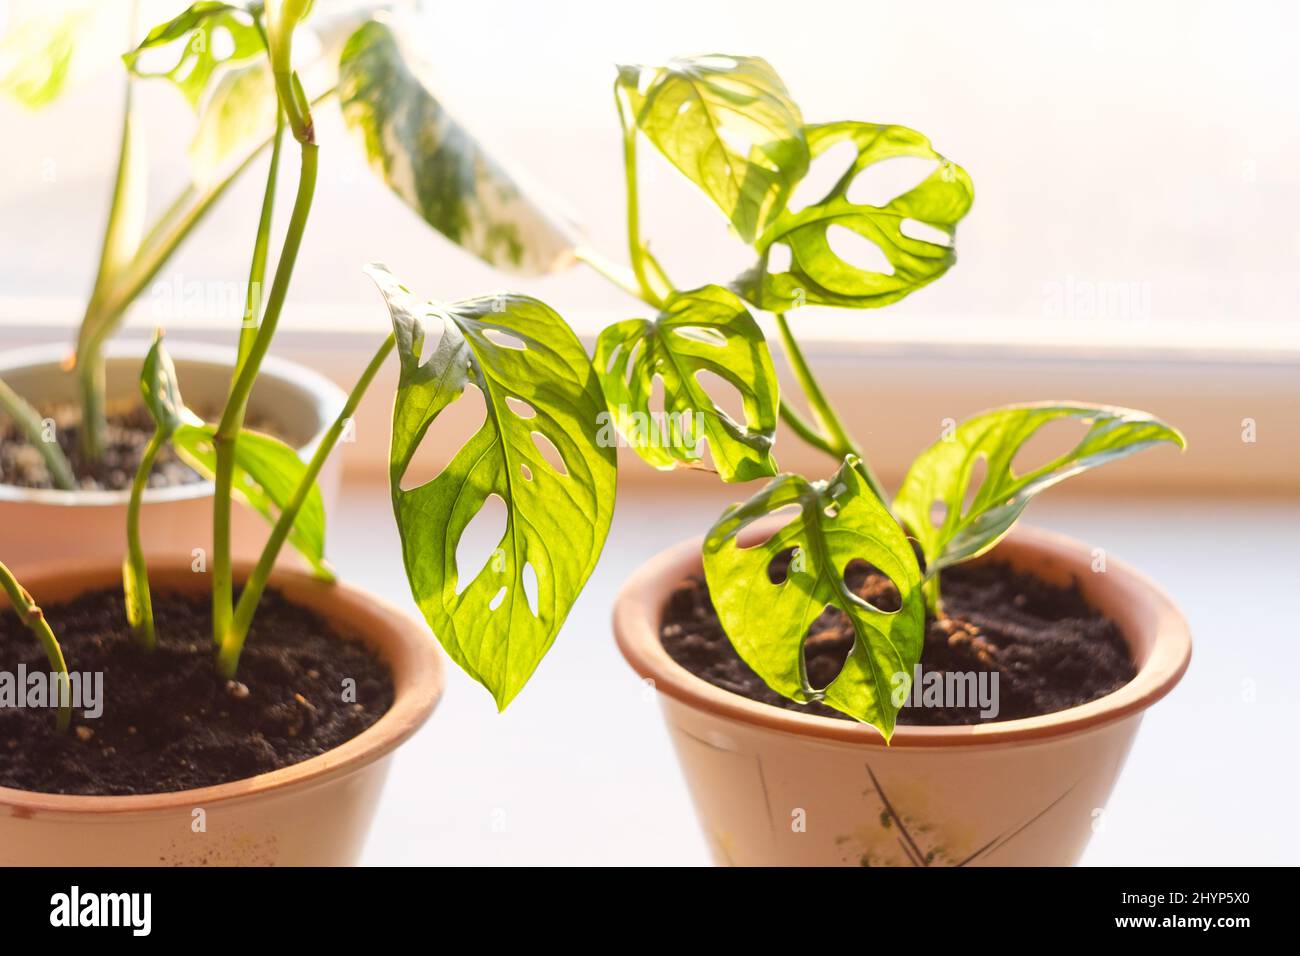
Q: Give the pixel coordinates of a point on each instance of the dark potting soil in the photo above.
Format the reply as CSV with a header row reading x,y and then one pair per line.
x,y
1050,649
169,722
129,430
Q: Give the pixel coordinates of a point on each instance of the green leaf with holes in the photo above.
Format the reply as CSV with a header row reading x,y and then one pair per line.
x,y
817,275
836,523
728,123
942,474
206,39
432,162
267,472
704,330
535,379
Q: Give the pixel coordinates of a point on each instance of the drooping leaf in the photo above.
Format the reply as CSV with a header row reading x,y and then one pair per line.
x,y
817,274
266,474
37,52
208,37
536,380
728,123
941,476
704,330
428,159
767,616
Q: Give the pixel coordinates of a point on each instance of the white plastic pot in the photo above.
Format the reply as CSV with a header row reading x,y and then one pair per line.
x,y
41,526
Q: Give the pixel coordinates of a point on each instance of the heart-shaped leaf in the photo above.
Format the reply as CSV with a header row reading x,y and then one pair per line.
x,y
728,123
940,477
767,616
704,330
266,474
817,274
536,380
435,165
207,37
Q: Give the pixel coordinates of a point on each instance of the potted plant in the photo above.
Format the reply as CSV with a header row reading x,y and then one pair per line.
x,y
246,714
71,426
824,694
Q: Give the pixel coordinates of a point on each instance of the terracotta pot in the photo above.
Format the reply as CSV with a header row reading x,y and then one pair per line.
x,y
40,526
777,787
314,813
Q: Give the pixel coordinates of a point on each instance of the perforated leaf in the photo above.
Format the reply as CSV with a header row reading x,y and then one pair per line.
x,y
729,125
199,43
942,474
536,380
838,521
704,330
817,274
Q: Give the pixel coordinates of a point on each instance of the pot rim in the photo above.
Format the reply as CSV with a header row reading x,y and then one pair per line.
x,y
409,650
327,398
638,612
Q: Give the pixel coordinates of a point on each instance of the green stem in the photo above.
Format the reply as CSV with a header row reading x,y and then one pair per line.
x,y
255,586
804,429
103,316
611,271
257,269
223,600
636,247
139,605
232,417
32,426
93,421
835,439
32,617
930,591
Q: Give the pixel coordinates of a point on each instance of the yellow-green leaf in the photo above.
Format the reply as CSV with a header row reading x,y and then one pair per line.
x,y
538,387
767,616
817,275
704,330
728,123
951,524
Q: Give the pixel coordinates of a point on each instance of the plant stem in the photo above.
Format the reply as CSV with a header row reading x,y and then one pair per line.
x,y
257,269
930,591
636,248
32,617
233,645
612,271
104,315
31,424
835,439
232,417
93,423
139,605
224,470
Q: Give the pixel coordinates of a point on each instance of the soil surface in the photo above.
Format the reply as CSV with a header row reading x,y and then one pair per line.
x,y
169,722
1050,649
129,430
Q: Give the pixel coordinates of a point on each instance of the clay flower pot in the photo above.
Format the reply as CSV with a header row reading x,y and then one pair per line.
x,y
777,787
42,526
314,813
